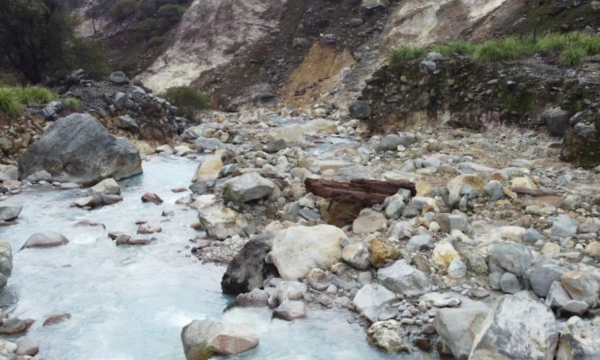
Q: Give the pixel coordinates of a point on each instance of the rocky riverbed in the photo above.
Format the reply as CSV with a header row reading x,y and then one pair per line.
x,y
499,235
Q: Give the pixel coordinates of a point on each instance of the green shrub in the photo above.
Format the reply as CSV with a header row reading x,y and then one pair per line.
x,y
406,53
72,103
123,9
37,95
186,98
572,56
455,47
156,41
147,26
590,44
9,102
90,56
552,42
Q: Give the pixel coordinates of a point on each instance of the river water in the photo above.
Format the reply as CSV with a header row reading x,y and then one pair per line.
x,y
131,302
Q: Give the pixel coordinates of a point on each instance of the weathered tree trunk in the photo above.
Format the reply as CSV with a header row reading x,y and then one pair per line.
x,y
365,193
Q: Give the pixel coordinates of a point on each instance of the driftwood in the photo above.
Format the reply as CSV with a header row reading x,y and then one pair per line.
x,y
364,193
536,192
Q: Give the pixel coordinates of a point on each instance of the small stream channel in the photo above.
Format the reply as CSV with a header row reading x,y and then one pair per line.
x,y
131,302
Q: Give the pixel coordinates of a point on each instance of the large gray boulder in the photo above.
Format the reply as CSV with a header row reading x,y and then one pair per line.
x,y
405,279
542,277
579,340
78,148
5,262
247,271
511,257
371,299
458,327
248,187
118,78
557,121
299,249
360,109
564,226
517,328
203,338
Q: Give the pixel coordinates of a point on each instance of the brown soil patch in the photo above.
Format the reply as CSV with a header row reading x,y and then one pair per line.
x,y
318,74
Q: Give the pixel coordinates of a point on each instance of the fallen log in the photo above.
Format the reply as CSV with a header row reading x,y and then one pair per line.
x,y
532,192
361,192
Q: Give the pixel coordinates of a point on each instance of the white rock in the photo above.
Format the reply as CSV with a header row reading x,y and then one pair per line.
x,y
221,223
298,249
202,338
517,328
107,187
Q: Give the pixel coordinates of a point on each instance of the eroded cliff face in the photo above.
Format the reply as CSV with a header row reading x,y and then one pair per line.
x,y
266,48
209,35
302,52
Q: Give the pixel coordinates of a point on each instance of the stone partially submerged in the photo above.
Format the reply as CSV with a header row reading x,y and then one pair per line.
x,y
248,270
202,338
78,148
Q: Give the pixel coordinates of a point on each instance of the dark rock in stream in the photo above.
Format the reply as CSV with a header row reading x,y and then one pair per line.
x,y
248,270
151,197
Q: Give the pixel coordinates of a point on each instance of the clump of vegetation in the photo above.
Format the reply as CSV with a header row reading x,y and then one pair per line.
x,y
156,41
187,99
72,104
123,9
38,40
590,44
509,48
551,43
36,95
89,56
9,102
455,47
571,48
406,53
572,56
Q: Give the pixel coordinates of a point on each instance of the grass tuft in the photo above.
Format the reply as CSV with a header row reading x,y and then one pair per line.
x,y
572,56
37,95
406,53
551,43
590,44
72,104
9,102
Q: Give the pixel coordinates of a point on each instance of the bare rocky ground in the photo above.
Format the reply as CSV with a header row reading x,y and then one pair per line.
x,y
499,236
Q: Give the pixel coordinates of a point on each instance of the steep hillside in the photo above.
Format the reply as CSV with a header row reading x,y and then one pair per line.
x,y
254,51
